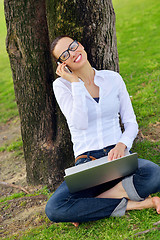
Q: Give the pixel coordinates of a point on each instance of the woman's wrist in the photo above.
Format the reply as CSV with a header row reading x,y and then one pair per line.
x,y
121,145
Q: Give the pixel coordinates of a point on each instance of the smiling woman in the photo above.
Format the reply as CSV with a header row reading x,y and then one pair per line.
x,y
91,101
70,52
65,55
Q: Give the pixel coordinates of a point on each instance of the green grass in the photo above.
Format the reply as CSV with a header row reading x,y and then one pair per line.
x,y
7,98
109,229
14,146
43,191
148,150
13,196
139,57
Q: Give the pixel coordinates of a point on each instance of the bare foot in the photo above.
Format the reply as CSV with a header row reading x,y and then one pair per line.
x,y
76,224
156,202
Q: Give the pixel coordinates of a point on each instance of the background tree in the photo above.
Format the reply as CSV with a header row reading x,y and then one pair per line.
x,y
30,25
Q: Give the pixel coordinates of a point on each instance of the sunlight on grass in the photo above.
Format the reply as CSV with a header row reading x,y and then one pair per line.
x,y
14,146
137,26
7,98
108,229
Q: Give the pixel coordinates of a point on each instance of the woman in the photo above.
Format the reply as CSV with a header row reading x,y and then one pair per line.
x,y
91,101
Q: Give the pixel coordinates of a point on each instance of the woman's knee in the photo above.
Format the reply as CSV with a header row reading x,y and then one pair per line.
x,y
51,211
148,169
56,205
55,208
59,211
148,175
155,177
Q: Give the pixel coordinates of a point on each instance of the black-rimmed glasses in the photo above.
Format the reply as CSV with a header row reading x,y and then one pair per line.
x,y
65,55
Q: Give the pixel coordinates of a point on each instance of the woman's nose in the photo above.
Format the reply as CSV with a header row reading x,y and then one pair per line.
x,y
72,54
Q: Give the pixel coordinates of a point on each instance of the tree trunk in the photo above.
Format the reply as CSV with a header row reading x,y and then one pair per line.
x,y
45,135
99,34
90,22
46,139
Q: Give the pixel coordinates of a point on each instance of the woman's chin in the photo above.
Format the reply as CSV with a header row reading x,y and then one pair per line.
x,y
79,65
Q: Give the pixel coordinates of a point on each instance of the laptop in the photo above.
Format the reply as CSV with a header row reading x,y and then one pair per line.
x,y
99,171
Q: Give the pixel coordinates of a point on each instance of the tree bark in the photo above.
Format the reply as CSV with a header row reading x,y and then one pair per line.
x,y
46,138
90,22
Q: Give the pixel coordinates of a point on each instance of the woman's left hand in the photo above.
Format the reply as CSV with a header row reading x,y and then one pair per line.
x,y
117,151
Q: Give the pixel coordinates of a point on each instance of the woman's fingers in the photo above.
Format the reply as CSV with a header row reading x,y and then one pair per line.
x,y
110,155
60,69
62,72
115,153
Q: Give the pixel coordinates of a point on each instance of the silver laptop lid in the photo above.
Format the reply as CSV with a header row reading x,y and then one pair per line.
x,y
99,171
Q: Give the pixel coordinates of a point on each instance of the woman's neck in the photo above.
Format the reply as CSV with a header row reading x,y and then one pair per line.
x,y
86,74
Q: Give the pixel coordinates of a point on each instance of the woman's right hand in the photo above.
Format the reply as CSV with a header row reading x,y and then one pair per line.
x,y
61,71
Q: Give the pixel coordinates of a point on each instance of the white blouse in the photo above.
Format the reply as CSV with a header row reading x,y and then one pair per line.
x,y
95,125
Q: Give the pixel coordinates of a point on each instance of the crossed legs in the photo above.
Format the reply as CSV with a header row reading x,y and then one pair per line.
x,y
137,188
130,193
119,192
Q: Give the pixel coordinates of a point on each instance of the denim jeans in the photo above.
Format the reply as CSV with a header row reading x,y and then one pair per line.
x,y
83,206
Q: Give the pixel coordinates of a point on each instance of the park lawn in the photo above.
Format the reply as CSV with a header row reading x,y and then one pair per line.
x,y
104,229
7,98
137,25
139,56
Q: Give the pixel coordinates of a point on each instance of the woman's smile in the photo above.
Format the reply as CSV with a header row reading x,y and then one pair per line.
x,y
78,59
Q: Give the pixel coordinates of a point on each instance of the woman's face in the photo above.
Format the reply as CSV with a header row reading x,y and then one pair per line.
x,y
77,58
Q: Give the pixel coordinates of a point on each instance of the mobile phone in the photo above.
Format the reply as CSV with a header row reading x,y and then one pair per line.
x,y
66,68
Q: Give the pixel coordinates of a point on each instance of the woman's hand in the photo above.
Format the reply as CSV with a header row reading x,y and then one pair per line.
x,y
117,151
62,72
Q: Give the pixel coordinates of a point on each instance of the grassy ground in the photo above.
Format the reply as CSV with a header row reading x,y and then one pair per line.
x,y
139,56
7,98
139,53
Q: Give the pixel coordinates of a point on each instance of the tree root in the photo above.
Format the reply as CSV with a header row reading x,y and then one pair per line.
x,y
4,184
146,231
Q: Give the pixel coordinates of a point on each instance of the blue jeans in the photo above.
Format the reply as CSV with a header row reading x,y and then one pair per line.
x,y
83,206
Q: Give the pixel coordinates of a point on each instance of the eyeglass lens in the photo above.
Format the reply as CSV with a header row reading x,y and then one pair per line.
x,y
65,55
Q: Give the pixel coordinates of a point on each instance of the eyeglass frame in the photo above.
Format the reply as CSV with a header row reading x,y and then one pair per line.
x,y
59,59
